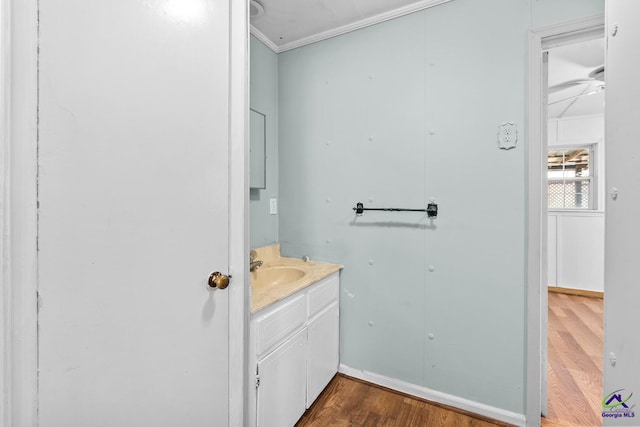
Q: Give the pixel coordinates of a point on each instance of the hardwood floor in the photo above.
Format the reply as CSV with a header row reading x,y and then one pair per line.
x,y
575,361
350,402
575,382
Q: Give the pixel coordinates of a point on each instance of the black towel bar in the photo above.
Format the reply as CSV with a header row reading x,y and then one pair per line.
x,y
431,210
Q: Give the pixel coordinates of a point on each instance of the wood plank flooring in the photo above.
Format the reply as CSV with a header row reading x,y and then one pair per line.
x,y
350,402
575,361
575,382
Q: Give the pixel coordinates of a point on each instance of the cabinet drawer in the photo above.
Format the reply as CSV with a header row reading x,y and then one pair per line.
x,y
323,293
274,326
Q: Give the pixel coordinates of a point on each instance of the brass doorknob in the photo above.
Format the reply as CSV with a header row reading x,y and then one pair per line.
x,y
218,280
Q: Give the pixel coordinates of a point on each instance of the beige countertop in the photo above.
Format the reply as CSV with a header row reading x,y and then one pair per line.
x,y
263,295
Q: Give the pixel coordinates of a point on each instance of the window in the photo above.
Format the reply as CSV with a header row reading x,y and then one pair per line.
x,y
570,178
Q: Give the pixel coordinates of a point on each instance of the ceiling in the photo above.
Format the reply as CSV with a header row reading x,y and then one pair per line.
x,y
287,24
569,68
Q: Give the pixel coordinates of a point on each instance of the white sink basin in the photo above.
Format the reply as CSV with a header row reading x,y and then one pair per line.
x,y
271,276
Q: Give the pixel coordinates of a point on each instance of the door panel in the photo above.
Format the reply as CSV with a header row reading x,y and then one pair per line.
x,y
323,352
622,246
133,198
283,383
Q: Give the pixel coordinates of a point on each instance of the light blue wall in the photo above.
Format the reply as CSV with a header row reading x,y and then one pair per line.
x,y
548,12
264,98
392,116
458,72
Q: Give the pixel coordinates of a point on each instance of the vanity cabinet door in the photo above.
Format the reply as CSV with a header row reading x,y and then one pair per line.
x,y
323,352
282,386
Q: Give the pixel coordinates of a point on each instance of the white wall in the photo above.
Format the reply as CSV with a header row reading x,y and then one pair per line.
x,y
576,238
576,251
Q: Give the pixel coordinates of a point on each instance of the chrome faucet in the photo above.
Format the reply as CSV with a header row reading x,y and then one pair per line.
x,y
253,262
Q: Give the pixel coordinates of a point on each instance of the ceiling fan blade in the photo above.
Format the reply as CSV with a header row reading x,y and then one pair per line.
x,y
593,92
571,83
597,74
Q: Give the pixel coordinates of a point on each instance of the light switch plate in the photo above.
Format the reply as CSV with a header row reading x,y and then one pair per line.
x,y
273,206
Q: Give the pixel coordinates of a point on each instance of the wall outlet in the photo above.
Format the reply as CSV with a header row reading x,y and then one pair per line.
x,y
507,135
273,206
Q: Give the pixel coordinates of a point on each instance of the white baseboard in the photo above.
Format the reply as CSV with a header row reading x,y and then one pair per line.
x,y
436,396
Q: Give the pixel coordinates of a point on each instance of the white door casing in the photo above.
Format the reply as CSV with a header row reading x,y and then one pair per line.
x,y
544,260
19,124
4,303
136,101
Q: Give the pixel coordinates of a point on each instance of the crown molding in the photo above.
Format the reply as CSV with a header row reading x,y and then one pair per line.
x,y
264,39
363,23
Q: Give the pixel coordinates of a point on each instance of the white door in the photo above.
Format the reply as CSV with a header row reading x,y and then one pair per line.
x,y
133,212
622,246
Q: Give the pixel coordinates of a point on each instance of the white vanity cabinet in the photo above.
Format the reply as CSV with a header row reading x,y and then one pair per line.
x,y
295,352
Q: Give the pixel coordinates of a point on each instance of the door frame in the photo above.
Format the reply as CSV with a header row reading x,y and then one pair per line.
x,y
4,108
539,40
19,213
239,304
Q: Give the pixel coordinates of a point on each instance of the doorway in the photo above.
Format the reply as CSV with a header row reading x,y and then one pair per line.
x,y
575,232
541,41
